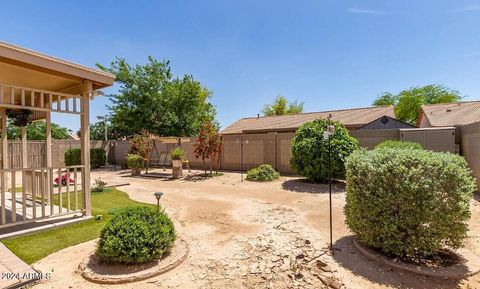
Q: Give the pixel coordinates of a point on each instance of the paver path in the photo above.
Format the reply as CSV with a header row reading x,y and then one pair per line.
x,y
14,271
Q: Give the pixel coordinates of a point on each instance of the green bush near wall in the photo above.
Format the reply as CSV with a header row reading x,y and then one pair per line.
x,y
262,173
98,157
407,202
310,151
398,144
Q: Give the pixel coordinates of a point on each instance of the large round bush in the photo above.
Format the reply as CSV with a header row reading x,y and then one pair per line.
x,y
398,144
310,151
406,202
262,173
136,235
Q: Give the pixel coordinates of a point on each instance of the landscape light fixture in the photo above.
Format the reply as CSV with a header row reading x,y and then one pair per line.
x,y
327,135
158,195
241,141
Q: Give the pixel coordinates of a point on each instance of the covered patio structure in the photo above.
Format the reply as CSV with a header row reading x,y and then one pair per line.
x,y
32,86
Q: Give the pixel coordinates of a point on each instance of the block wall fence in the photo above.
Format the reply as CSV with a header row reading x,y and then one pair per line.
x,y
264,148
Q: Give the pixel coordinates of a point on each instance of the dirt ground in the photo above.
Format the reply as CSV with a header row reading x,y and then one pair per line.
x,y
253,235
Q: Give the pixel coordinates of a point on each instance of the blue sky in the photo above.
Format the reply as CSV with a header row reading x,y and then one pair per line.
x,y
330,54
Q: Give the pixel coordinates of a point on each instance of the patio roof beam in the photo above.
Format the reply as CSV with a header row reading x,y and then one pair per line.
x,y
55,101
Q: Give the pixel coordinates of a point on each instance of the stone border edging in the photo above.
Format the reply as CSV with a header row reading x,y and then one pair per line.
x,y
164,265
457,271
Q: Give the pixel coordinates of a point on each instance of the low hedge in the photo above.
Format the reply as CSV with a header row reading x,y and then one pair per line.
x,y
136,235
406,202
399,145
262,173
98,157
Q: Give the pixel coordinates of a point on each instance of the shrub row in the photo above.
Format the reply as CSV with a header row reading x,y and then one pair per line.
x,y
98,157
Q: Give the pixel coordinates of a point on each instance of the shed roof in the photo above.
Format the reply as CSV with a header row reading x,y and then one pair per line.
x,y
351,118
451,114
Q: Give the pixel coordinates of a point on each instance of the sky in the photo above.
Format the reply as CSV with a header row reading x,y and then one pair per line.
x,y
328,54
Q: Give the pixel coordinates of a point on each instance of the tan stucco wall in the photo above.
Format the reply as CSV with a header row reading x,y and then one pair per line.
x,y
470,147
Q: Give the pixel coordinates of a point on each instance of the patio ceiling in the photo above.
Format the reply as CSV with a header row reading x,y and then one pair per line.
x,y
27,68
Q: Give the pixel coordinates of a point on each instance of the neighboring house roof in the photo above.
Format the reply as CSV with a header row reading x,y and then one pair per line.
x,y
386,122
451,114
351,118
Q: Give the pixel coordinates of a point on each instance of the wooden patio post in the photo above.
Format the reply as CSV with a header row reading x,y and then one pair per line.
x,y
87,89
48,158
4,179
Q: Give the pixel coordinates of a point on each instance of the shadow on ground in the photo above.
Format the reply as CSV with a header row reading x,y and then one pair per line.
x,y
195,178
476,196
304,186
348,257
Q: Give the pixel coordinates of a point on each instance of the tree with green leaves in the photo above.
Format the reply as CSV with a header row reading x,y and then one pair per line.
x,y
97,131
408,103
281,106
150,98
36,131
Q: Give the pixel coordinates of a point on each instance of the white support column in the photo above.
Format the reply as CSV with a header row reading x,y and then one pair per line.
x,y
48,158
48,139
85,145
24,175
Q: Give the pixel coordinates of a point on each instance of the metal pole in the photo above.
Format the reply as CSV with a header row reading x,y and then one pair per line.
x,y
330,187
106,134
241,159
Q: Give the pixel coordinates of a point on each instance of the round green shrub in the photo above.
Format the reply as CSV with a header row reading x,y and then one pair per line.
x,y
408,203
310,151
397,144
262,173
136,235
135,161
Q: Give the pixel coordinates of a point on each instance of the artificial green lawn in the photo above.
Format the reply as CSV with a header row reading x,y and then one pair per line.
x,y
33,247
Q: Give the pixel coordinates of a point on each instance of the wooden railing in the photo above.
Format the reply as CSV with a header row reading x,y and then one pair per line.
x,y
43,193
18,97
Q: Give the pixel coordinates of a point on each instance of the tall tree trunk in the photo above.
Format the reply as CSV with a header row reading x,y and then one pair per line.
x,y
211,166
204,166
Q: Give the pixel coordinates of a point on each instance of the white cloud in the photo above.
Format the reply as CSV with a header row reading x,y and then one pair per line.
x,y
474,7
365,11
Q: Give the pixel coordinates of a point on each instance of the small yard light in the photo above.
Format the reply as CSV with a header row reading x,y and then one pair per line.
x,y
327,135
158,195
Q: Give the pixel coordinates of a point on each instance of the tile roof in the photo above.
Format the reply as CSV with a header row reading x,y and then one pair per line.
x,y
353,118
452,114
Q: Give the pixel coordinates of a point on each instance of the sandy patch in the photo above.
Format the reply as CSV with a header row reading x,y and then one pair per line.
x,y
253,235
